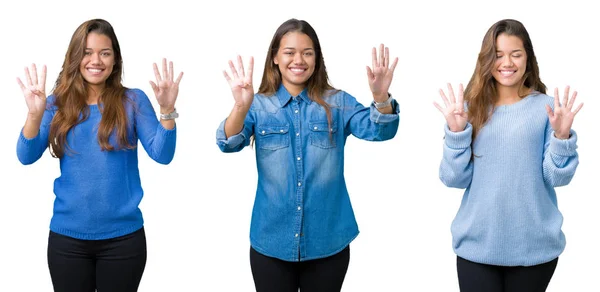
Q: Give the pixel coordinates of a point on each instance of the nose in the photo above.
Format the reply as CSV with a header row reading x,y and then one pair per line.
x,y
96,59
298,59
507,61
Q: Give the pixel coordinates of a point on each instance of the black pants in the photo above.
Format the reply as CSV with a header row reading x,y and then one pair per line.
x,y
110,265
320,275
475,277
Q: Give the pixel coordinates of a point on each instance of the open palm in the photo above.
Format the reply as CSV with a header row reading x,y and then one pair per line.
x,y
454,112
561,118
166,89
35,90
381,75
241,83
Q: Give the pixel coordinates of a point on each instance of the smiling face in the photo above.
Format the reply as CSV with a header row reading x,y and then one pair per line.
x,y
295,60
98,60
511,61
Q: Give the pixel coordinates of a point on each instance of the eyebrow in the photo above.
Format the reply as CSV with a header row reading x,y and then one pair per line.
x,y
105,49
291,48
513,51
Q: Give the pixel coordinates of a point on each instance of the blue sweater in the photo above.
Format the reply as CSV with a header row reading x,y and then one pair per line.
x,y
509,214
98,192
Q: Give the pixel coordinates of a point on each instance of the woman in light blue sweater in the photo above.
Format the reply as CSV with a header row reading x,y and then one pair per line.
x,y
92,123
509,145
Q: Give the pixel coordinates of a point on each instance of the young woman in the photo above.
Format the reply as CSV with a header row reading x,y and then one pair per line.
x,y
92,123
302,221
510,148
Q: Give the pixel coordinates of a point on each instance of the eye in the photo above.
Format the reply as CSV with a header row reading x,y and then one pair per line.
x,y
106,54
308,53
88,53
498,56
517,56
288,53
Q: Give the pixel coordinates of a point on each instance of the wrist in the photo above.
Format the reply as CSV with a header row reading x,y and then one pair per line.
x,y
383,103
381,97
562,136
167,110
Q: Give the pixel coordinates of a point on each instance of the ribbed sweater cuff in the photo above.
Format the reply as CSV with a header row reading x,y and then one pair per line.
x,y
458,140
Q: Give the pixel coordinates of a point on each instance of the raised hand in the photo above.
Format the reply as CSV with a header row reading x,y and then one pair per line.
x,y
380,77
561,118
35,90
165,88
454,112
241,83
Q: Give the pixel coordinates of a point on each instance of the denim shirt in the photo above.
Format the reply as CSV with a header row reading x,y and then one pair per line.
x,y
302,210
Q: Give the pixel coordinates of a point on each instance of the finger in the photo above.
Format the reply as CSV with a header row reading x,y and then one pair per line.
x,y
578,108
451,93
250,69
374,57
34,73
154,87
549,111
43,78
460,102
226,76
240,66
381,55
572,100
28,77
566,97
394,65
179,78
556,104
439,107
370,74
156,73
233,71
387,57
171,72
164,69
21,84
444,98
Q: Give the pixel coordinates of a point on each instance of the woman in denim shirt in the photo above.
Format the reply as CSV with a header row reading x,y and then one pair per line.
x,y
302,221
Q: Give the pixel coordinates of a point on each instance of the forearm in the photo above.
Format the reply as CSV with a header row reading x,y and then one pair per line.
x,y
32,126
235,122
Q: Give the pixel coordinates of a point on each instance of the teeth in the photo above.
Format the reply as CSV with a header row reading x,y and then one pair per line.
x,y
506,73
296,70
95,70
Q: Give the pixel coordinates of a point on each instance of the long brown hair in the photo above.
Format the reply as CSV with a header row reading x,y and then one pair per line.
x,y
71,93
318,83
481,94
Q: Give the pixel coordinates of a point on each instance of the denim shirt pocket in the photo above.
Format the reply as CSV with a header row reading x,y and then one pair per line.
x,y
321,135
272,137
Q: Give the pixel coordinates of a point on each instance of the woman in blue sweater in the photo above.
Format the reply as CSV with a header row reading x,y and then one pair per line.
x,y
92,123
302,221
509,149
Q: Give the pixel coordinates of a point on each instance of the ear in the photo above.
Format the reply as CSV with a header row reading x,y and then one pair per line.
x,y
275,61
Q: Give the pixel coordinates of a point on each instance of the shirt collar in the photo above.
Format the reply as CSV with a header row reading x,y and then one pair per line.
x,y
284,96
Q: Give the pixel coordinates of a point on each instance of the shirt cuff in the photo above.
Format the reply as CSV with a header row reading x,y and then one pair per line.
x,y
458,140
567,147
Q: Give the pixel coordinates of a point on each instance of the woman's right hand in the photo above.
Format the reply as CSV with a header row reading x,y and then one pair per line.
x,y
241,83
454,112
34,91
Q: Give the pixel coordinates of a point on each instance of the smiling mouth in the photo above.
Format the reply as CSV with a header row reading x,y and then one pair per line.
x,y
297,71
94,70
507,73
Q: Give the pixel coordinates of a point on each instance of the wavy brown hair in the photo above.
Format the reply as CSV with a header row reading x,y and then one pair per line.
x,y
481,93
318,83
71,93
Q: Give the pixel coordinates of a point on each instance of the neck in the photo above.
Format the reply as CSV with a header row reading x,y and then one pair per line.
x,y
94,93
294,90
508,94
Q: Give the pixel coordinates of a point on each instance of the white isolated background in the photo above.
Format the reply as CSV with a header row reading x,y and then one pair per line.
x,y
197,209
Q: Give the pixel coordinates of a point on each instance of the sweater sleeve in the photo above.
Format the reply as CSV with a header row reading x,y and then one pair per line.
x,y
158,142
456,168
30,150
560,158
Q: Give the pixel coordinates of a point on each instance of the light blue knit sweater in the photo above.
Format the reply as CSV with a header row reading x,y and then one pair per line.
x,y
509,214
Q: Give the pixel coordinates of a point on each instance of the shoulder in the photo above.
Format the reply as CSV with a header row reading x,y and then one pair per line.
x,y
542,98
136,95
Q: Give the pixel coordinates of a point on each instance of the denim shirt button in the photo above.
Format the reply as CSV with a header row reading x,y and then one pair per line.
x,y
297,134
299,183
296,235
299,208
296,111
298,158
316,128
263,132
